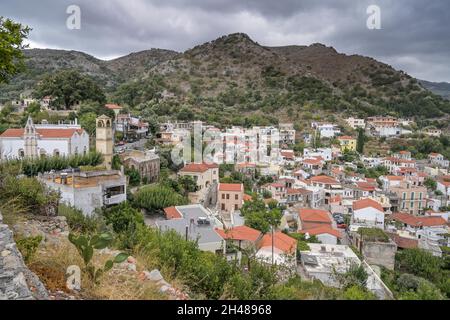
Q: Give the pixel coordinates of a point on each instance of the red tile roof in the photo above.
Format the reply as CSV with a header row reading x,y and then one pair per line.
x,y
404,243
44,133
198,167
297,191
365,186
248,197
314,215
243,233
281,241
231,187
172,213
324,180
322,229
113,106
346,138
416,221
367,203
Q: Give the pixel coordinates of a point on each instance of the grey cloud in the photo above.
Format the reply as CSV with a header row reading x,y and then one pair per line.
x,y
414,35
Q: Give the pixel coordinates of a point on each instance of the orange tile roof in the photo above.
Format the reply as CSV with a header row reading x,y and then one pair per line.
x,y
324,180
365,186
312,161
248,197
232,187
322,229
243,233
281,241
367,203
172,213
44,133
297,191
395,178
113,106
405,243
416,221
314,215
198,167
346,138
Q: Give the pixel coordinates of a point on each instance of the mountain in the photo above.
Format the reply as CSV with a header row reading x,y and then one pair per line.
x,y
234,76
440,88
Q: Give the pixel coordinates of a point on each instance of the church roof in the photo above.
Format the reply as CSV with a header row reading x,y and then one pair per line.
x,y
44,133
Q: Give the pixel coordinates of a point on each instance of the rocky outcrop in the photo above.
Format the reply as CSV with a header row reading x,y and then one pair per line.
x,y
17,282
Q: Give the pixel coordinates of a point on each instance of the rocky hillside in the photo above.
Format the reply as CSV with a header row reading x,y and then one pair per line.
x,y
234,74
440,88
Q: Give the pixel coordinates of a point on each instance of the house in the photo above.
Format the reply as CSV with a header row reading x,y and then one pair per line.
x,y
393,164
405,155
433,132
438,159
231,197
326,130
430,231
88,190
356,123
368,213
384,126
206,176
194,223
364,189
316,222
115,108
146,163
388,182
325,234
36,141
287,133
298,196
443,185
276,189
411,198
241,237
347,143
131,126
325,153
280,249
322,261
313,165
247,169
330,186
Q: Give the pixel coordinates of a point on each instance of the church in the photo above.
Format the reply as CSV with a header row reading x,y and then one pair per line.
x,y
39,140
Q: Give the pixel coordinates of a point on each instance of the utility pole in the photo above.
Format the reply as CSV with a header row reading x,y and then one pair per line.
x,y
273,240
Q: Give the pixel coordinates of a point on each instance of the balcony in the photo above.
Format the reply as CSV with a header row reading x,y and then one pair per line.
x,y
115,199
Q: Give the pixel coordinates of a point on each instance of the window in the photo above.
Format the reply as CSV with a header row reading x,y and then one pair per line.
x,y
236,197
223,196
411,205
56,153
420,196
236,207
412,195
404,205
223,206
228,196
404,195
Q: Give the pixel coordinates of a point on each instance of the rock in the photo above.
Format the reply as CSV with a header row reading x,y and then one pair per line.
x,y
164,289
155,276
5,253
131,267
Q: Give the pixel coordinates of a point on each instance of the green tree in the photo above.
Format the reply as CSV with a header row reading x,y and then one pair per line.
x,y
430,183
360,141
68,87
12,35
156,198
88,122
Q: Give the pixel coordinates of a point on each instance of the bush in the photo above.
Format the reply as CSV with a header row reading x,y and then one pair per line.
x,y
156,198
78,222
28,247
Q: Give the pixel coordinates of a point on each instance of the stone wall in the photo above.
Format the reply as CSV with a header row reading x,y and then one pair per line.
x,y
380,253
17,282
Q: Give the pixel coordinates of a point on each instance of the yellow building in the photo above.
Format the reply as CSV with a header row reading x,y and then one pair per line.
x,y
347,143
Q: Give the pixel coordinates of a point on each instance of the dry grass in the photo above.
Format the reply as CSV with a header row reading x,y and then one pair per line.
x,y
52,260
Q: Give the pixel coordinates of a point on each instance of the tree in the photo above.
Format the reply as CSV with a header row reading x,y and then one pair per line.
x,y
122,217
12,35
188,185
156,198
68,87
430,183
88,122
258,217
361,141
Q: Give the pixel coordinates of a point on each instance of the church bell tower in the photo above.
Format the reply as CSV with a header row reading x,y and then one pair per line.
x,y
104,139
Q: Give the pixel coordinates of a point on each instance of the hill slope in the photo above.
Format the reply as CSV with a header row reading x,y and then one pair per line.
x,y
440,88
235,75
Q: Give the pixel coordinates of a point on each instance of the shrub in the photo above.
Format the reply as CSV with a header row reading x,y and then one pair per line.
x,y
28,247
78,222
156,198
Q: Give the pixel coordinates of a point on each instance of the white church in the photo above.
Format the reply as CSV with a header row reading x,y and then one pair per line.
x,y
38,140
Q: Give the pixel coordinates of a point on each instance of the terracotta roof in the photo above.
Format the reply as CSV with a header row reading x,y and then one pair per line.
x,y
322,229
297,191
287,154
281,241
198,167
312,161
324,180
367,203
240,233
365,186
44,133
172,213
248,197
395,178
434,154
416,221
346,138
113,106
404,243
314,215
232,187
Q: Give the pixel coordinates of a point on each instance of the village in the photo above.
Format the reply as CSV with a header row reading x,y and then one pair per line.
x,y
315,211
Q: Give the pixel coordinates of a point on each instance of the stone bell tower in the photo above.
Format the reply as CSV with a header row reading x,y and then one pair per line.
x,y
30,139
104,139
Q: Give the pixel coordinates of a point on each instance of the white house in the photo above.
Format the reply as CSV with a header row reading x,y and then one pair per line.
x,y
43,140
368,213
284,249
327,130
355,123
325,153
443,185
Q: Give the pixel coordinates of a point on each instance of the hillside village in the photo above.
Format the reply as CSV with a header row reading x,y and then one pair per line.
x,y
315,214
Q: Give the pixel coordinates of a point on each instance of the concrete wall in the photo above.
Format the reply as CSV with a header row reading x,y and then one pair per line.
x,y
380,253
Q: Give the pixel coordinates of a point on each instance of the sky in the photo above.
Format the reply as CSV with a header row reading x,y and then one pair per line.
x,y
414,34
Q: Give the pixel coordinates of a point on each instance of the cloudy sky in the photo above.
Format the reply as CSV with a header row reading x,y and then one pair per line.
x,y
414,34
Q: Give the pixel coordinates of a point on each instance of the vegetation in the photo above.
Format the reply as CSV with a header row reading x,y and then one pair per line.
x,y
69,87
28,247
86,245
373,235
155,198
258,217
12,36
